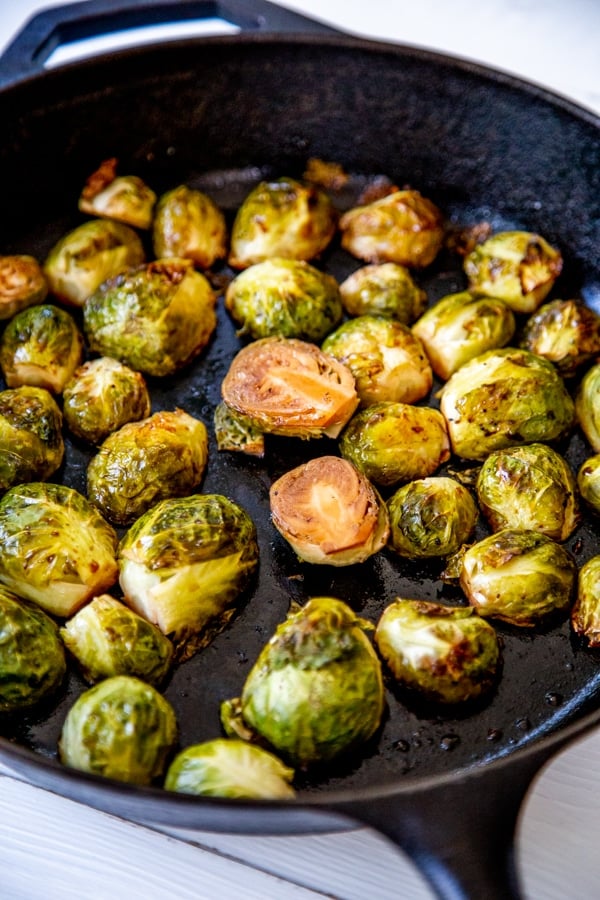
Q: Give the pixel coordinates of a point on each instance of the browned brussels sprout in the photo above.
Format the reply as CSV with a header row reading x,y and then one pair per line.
x,y
518,576
587,406
281,218
387,360
286,297
329,512
387,289
396,442
565,332
517,266
126,198
431,517
446,654
22,284
585,615
403,227
529,487
156,318
189,225
143,462
31,441
588,481
103,395
289,387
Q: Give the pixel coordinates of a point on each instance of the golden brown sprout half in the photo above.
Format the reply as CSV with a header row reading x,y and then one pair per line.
x,y
329,512
290,387
124,198
22,284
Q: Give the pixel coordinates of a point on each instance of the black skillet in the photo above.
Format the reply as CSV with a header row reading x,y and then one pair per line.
x,y
219,113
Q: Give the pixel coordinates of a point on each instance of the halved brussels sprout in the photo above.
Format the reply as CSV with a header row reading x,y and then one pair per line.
x,y
396,442
226,767
189,225
57,550
289,387
585,615
108,638
121,728
387,360
588,481
22,284
41,346
234,431
126,198
85,257
403,227
431,517
518,576
587,406
504,398
519,267
459,327
102,396
32,656
281,218
316,689
285,297
446,654
530,487
31,441
329,512
387,289
143,462
156,318
565,332
185,563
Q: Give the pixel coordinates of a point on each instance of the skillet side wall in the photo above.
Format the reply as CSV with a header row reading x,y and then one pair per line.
x,y
480,147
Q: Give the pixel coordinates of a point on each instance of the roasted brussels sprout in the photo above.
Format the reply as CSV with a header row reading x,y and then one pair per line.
x,y
156,318
588,481
403,227
316,689
32,656
107,638
189,225
101,397
143,462
185,563
121,728
585,615
289,387
587,406
281,218
329,512
431,517
459,327
85,257
504,398
234,431
386,290
22,284
519,267
565,332
396,442
41,346
518,576
529,487
227,767
446,654
285,297
56,548
126,198
387,360
31,441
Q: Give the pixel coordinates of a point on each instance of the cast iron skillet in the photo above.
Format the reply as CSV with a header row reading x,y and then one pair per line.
x,y
219,113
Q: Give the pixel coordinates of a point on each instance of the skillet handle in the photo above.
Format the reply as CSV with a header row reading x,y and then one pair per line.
x,y
60,25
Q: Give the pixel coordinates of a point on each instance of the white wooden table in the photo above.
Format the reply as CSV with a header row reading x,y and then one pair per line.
x,y
54,849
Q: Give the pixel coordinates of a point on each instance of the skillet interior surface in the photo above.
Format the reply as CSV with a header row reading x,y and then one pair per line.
x,y
219,115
